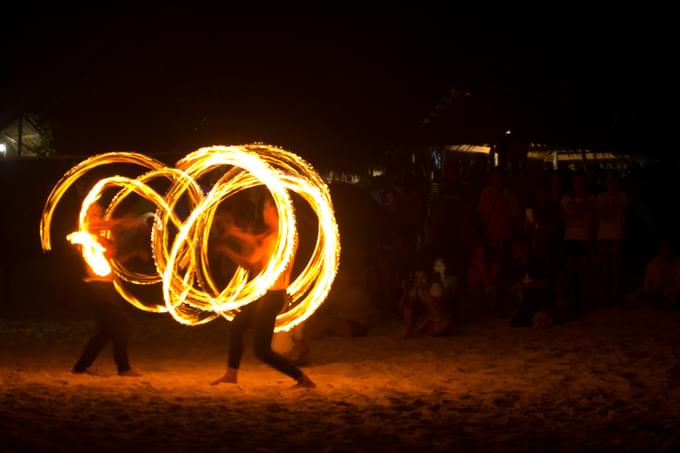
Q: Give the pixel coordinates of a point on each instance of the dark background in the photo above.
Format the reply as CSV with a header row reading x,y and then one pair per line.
x,y
337,88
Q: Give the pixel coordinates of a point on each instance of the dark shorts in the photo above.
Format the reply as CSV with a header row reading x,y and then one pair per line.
x,y
577,248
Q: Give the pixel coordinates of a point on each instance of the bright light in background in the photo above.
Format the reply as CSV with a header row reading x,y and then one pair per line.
x,y
508,132
3,148
495,159
483,149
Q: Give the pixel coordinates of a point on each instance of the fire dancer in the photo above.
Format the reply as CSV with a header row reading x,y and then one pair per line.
x,y
254,251
111,319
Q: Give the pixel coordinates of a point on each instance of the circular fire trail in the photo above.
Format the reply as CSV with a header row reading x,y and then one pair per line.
x,y
179,246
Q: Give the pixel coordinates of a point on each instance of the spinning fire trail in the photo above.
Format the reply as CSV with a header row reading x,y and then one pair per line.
x,y
180,253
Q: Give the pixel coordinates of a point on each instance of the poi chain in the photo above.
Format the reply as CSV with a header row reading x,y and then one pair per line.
x,y
190,293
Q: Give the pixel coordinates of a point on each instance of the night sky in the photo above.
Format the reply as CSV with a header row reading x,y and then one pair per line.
x,y
337,88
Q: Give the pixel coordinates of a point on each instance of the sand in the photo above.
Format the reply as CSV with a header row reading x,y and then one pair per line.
x,y
610,381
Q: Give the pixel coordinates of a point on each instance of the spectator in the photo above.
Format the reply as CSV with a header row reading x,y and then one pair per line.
x,y
579,216
498,212
532,285
611,215
422,306
662,278
448,280
437,319
555,222
499,215
537,225
481,282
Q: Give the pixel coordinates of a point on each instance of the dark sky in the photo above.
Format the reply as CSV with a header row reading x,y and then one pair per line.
x,y
339,87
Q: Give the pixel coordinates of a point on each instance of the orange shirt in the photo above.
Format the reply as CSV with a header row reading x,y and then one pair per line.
x,y
498,210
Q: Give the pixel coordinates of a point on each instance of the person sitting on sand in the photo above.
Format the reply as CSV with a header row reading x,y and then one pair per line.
x,y
532,286
422,306
448,281
662,278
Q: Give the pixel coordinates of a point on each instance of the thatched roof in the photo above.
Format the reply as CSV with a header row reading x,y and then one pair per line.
x,y
549,153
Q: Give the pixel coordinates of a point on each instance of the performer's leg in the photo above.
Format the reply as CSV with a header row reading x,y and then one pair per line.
x,y
120,354
237,329
91,351
95,345
117,323
121,332
266,311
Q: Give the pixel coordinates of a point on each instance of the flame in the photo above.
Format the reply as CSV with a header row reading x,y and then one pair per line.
x,y
93,252
190,294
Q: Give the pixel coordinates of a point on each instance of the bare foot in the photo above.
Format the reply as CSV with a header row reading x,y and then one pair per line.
x,y
304,383
129,373
230,377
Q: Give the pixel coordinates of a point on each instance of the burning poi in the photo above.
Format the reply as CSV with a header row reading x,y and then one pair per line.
x,y
190,293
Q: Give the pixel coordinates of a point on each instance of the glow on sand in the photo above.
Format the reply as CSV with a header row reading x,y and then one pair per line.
x,y
180,246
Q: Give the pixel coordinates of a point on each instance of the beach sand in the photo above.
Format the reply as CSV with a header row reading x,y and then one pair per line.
x,y
610,381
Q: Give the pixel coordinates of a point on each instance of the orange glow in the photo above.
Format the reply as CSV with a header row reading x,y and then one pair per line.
x,y
190,294
93,252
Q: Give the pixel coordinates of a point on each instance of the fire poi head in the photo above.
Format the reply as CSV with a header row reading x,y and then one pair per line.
x,y
180,252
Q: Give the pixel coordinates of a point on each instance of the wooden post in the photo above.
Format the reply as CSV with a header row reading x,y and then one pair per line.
x,y
585,161
20,134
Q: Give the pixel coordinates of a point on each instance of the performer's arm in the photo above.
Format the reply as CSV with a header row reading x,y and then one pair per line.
x,y
246,236
100,225
247,260
127,222
226,222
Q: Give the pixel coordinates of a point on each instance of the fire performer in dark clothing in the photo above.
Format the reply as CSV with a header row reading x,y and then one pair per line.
x,y
255,251
111,319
